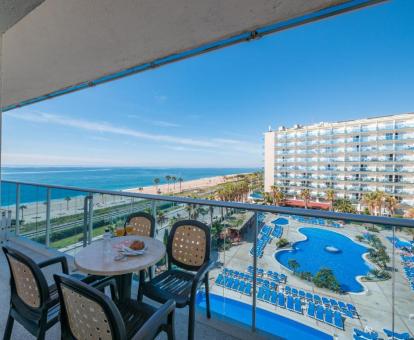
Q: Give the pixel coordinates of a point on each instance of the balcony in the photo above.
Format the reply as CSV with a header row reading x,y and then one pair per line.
x,y
250,287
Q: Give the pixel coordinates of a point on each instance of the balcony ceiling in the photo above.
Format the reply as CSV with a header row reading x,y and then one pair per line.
x,y
63,45
11,11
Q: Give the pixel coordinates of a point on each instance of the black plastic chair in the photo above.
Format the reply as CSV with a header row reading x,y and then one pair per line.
x,y
141,223
33,303
87,313
188,248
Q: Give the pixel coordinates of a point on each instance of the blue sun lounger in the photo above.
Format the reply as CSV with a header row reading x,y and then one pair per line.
x,y
333,302
260,293
366,335
338,321
342,305
248,289
289,304
317,298
319,313
328,316
326,301
397,336
294,291
309,296
273,298
287,290
242,286
219,280
229,282
302,294
281,300
298,306
235,285
311,310
283,277
267,294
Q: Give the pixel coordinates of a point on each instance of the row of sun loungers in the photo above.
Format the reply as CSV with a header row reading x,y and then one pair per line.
x,y
277,231
373,335
234,284
326,315
271,275
348,309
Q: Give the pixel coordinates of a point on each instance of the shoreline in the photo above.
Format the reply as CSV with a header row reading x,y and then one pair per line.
x,y
193,184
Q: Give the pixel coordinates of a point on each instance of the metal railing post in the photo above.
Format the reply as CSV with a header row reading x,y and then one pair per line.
x,y
90,226
154,214
85,220
48,196
256,224
17,213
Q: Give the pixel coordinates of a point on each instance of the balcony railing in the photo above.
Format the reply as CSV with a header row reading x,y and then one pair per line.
x,y
324,287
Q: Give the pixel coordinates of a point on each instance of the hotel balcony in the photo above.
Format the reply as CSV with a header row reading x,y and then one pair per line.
x,y
52,48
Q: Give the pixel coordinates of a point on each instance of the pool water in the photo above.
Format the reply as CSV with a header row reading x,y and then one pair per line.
x,y
266,321
280,221
312,256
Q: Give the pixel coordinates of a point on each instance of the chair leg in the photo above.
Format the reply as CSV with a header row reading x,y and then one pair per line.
x,y
207,297
9,328
191,320
170,326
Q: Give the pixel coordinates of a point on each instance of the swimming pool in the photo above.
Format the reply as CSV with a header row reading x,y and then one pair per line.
x,y
312,256
280,221
269,322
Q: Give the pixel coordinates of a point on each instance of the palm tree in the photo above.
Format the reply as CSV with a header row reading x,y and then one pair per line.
x,y
369,200
156,182
67,199
22,207
391,203
168,179
379,201
277,195
180,181
330,196
305,195
174,179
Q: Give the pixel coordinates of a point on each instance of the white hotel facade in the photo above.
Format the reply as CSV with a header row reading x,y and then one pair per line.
x,y
352,157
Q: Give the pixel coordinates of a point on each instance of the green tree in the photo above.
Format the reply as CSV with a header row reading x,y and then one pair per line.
x,y
156,182
330,196
305,195
294,265
180,181
168,179
67,199
344,205
22,208
282,243
325,278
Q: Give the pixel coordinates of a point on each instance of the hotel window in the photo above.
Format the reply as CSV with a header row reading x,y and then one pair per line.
x,y
388,136
355,139
391,157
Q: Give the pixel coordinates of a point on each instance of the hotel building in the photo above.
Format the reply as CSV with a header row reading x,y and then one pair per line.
x,y
352,157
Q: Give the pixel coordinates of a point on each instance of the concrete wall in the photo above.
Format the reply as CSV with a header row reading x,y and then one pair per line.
x,y
62,43
269,160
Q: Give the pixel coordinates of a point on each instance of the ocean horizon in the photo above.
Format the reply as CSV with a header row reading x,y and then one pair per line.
x,y
104,178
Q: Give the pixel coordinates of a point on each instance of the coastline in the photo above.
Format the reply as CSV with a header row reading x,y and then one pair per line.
x,y
194,184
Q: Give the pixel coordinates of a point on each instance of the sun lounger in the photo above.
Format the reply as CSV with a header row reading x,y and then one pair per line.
x,y
294,291
219,280
273,285
325,301
287,290
260,293
333,302
289,304
248,289
235,285
242,286
319,313
396,336
366,335
309,296
311,310
281,300
229,282
342,305
298,306
338,321
302,294
273,298
316,298
266,295
328,316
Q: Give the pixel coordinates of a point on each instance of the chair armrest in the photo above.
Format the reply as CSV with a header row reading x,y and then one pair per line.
x,y
107,282
60,259
201,273
157,321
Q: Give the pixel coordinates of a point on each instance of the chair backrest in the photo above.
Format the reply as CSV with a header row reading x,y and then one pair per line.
x,y
189,244
29,288
141,224
86,313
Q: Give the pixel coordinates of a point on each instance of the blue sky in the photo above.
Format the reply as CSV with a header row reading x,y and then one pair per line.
x,y
212,110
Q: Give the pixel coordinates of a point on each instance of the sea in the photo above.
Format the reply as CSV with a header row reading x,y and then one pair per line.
x,y
105,178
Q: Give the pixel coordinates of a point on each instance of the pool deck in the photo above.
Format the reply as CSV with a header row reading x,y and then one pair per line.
x,y
374,304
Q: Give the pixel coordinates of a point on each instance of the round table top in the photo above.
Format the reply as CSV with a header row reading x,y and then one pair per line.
x,y
93,260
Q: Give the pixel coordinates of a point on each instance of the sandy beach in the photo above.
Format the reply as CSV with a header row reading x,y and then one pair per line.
x,y
185,185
